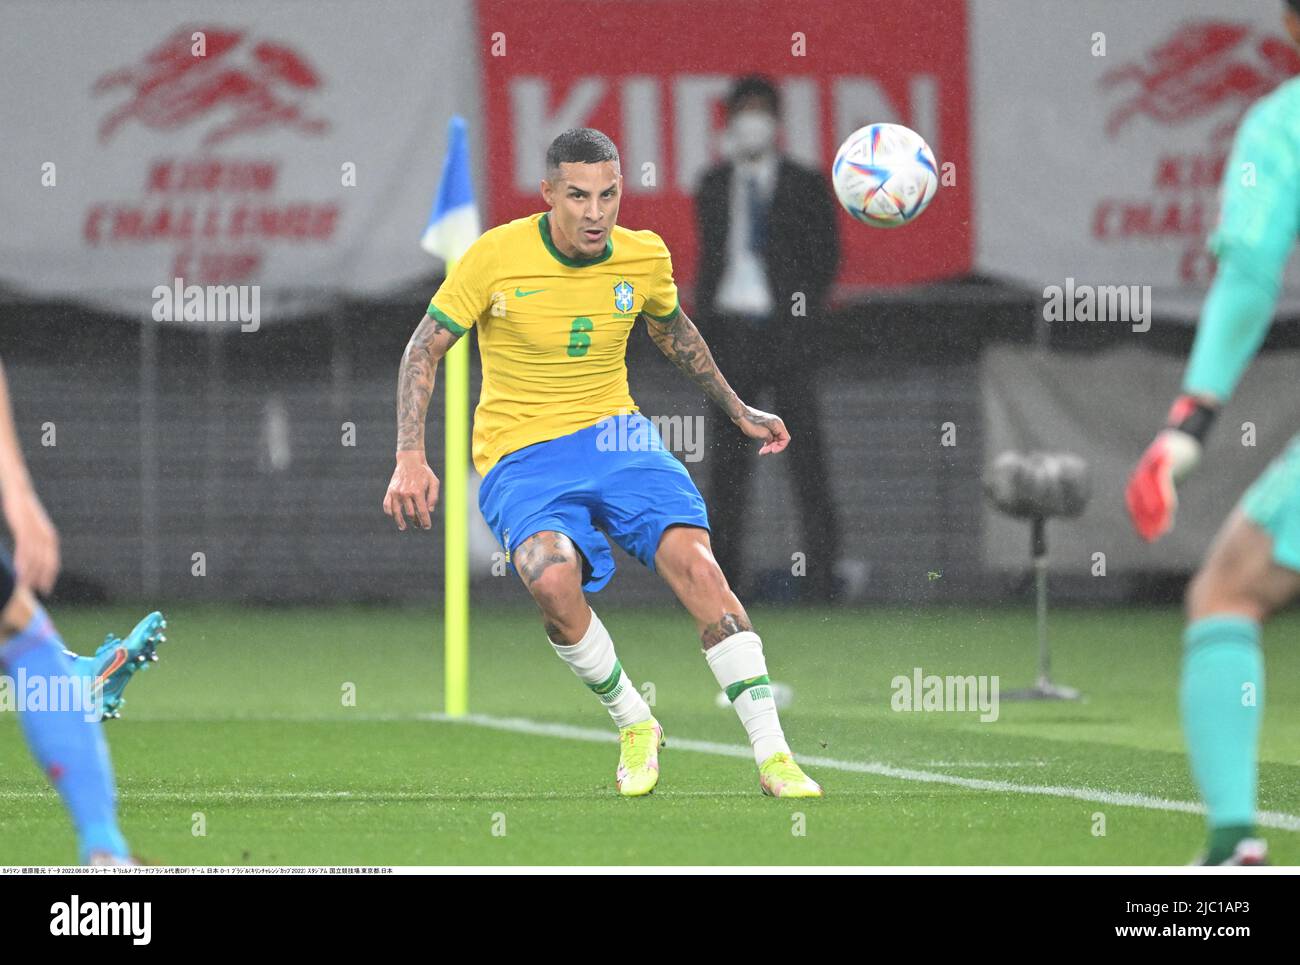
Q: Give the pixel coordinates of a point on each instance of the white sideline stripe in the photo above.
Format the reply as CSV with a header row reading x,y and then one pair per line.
x,y
987,763
199,795
1269,819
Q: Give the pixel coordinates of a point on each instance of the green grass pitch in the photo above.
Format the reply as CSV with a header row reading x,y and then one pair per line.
x,y
242,731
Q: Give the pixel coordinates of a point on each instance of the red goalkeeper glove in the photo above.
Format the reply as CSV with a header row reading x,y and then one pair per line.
x,y
1150,495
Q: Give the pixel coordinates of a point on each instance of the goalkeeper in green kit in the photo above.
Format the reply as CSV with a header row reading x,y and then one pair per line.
x,y
1253,567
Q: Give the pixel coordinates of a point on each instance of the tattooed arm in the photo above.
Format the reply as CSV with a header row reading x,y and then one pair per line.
x,y
681,342
413,490
429,343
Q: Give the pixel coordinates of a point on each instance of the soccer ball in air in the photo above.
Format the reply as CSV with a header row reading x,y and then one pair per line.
x,y
884,175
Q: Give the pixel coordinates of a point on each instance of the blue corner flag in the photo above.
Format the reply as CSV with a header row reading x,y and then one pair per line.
x,y
453,222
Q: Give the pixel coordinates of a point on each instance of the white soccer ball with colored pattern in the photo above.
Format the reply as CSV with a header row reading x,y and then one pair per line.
x,y
885,175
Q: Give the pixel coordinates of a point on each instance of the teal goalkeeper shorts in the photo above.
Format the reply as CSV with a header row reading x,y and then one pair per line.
x,y
1273,503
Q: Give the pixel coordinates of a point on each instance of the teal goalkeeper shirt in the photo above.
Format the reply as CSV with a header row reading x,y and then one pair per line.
x,y
1258,223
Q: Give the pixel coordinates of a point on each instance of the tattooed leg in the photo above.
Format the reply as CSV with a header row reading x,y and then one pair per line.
x,y
714,633
551,568
685,560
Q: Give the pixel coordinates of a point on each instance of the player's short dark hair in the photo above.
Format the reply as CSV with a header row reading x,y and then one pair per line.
x,y
754,84
1294,5
580,145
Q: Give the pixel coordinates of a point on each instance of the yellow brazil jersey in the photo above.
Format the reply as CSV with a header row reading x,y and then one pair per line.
x,y
552,330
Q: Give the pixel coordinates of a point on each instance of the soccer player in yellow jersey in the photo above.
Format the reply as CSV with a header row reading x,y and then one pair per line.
x,y
568,461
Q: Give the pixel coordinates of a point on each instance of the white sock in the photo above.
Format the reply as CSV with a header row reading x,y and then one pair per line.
x,y
593,659
736,661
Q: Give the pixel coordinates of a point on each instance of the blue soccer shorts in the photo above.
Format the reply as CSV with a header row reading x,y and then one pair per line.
x,y
610,481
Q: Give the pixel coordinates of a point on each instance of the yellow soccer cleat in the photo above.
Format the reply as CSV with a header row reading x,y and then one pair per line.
x,y
638,761
780,776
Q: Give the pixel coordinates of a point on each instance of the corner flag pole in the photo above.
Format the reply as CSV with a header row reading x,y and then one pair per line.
x,y
453,226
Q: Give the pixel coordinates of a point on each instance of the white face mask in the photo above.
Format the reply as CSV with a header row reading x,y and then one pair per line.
x,y
752,132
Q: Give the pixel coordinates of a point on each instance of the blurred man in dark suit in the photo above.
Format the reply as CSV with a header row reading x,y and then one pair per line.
x,y
769,250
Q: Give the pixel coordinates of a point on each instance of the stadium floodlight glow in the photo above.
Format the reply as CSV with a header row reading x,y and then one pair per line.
x,y
1039,486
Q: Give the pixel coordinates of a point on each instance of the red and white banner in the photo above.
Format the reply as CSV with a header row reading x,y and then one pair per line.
x,y
1102,129
300,151
291,146
654,76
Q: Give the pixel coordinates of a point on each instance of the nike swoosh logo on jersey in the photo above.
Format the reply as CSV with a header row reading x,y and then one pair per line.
x,y
524,294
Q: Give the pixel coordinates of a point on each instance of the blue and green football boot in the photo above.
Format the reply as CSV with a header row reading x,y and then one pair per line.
x,y
116,661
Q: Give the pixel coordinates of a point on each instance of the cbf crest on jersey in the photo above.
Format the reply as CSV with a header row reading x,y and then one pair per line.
x,y
623,296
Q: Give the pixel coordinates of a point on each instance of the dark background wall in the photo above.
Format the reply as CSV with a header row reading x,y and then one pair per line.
x,y
172,442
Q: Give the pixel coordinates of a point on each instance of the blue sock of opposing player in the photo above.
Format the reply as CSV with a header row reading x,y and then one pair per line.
x,y
1221,698
69,747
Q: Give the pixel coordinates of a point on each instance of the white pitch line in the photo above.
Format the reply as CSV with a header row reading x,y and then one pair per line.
x,y
1269,819
993,764
198,795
